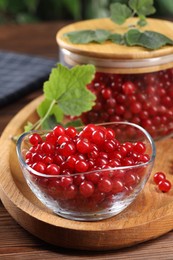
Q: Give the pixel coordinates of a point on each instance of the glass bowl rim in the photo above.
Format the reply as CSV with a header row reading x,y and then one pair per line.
x,y
25,165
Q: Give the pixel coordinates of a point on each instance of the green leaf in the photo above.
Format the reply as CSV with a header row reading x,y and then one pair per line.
x,y
3,5
120,12
117,38
56,85
148,39
78,98
142,22
75,123
74,8
49,123
56,110
86,36
142,7
77,101
68,88
28,127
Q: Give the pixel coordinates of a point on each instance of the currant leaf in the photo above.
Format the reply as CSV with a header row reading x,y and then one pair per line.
x,y
148,39
56,85
117,38
55,110
86,36
28,127
66,93
75,123
50,122
119,13
142,22
142,7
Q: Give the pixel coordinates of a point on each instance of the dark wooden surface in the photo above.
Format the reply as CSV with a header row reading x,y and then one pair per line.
x,y
15,242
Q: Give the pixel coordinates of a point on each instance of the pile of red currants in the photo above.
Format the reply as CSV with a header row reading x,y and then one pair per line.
x,y
85,169
144,99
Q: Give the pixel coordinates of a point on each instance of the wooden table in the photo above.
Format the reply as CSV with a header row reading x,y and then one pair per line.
x,y
15,242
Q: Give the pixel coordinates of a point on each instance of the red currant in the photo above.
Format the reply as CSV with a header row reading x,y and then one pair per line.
x,y
67,148
58,130
83,146
159,176
35,139
98,137
164,185
86,188
105,185
71,131
128,88
39,167
86,163
53,169
81,166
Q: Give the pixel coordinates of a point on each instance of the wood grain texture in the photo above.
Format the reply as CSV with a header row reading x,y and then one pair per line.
x,y
148,217
111,50
15,242
115,58
36,39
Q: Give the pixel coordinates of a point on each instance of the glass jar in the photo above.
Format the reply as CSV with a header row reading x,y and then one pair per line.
x,y
131,83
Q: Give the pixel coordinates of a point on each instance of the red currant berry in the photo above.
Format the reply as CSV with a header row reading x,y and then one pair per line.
x,y
105,185
86,188
35,139
71,192
110,133
106,93
58,130
109,146
47,148
47,159
62,139
136,107
66,181
58,159
117,186
81,166
83,146
53,169
71,160
93,177
36,157
39,167
130,179
139,147
164,185
78,179
71,131
159,176
128,88
98,137
87,131
51,138
67,148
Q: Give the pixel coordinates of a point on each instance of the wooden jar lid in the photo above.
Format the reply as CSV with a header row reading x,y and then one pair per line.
x,y
110,51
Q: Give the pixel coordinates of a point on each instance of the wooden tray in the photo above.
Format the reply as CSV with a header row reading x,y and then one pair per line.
x,y
150,216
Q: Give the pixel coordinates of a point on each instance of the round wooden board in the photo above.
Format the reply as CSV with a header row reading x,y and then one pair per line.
x,y
110,50
150,216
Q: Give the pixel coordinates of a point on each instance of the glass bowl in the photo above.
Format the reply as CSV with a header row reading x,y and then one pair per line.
x,y
116,173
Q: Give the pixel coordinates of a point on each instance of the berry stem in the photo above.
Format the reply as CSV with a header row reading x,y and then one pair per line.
x,y
38,124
